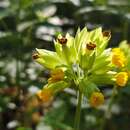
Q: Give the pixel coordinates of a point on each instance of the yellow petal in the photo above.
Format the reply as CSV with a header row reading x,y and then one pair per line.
x,y
56,75
118,57
45,95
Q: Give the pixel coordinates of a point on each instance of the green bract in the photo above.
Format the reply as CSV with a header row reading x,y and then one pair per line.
x,y
83,58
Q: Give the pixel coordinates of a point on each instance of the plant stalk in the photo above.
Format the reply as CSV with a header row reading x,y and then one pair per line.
x,y
78,112
108,112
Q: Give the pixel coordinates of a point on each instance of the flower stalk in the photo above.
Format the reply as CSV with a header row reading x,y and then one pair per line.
x,y
108,111
78,112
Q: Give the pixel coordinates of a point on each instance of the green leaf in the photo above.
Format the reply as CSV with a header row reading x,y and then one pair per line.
x,y
26,3
56,116
23,128
4,13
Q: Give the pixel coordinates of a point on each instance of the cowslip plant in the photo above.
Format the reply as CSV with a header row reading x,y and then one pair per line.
x,y
82,63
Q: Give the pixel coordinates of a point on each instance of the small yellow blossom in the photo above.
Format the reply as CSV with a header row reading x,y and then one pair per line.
x,y
56,75
118,57
96,99
45,95
122,78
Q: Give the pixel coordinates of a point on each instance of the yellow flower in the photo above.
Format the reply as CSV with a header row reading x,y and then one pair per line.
x,y
96,99
56,75
118,57
121,78
45,95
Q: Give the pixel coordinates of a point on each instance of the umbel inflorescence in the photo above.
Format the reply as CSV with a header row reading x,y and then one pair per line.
x,y
82,63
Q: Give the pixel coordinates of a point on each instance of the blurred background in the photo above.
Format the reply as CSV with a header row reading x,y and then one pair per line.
x,y
29,24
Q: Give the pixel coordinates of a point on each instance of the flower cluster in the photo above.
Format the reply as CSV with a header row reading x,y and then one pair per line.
x,y
84,63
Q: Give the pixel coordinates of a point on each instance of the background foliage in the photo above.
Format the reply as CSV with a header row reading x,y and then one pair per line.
x,y
29,24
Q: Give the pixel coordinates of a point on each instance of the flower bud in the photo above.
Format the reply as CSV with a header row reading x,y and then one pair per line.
x,y
121,78
96,99
45,95
56,75
118,57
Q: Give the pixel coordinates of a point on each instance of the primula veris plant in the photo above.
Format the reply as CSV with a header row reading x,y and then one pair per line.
x,y
82,63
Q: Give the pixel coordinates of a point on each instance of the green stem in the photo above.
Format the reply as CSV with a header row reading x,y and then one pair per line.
x,y
108,111
111,101
78,112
